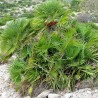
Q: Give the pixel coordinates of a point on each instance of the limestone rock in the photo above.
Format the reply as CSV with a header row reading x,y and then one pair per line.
x,y
67,95
43,94
54,96
27,97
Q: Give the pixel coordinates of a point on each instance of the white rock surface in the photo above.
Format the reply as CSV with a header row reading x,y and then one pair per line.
x,y
67,95
6,90
54,96
27,97
83,93
44,94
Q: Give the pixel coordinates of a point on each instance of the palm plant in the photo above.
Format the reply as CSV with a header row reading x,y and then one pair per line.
x,y
16,70
54,49
13,34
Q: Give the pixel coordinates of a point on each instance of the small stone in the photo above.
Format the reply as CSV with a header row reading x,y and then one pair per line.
x,y
67,95
54,96
27,97
44,94
89,92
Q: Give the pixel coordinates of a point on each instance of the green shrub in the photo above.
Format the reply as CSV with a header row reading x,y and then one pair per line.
x,y
55,50
16,70
12,34
4,19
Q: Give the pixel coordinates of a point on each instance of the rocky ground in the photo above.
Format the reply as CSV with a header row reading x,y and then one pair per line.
x,y
7,90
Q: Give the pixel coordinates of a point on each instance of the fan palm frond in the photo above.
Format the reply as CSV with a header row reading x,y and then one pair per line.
x,y
12,34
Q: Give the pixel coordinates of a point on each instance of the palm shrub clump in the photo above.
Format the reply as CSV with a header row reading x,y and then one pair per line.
x,y
50,48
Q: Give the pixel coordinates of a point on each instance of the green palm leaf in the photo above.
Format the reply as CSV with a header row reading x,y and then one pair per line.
x,y
12,35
